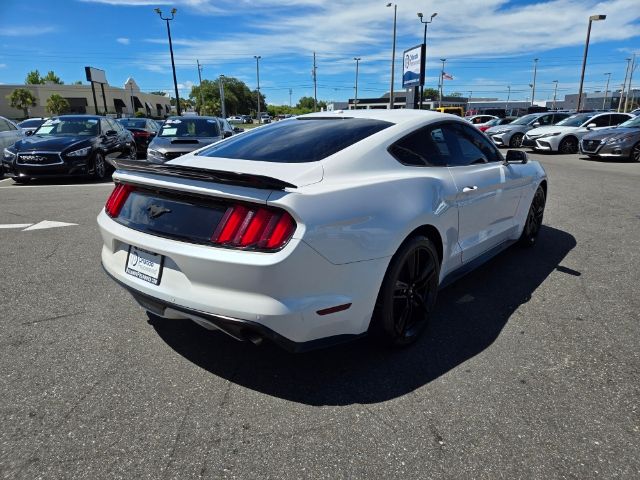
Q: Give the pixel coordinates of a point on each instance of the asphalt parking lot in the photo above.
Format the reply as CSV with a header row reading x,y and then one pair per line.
x,y
531,368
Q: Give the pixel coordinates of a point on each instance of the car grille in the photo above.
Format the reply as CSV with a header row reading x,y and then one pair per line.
x,y
590,145
39,158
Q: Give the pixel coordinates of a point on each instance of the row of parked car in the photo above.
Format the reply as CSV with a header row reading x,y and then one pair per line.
x,y
596,134
91,144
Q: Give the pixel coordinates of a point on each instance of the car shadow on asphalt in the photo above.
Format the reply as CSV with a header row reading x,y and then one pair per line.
x,y
606,159
469,316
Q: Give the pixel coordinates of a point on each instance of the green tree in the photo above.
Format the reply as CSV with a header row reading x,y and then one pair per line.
x,y
431,93
305,103
57,105
238,98
77,82
52,77
33,78
22,99
455,94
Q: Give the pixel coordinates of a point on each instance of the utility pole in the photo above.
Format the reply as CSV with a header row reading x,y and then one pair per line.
x,y
258,57
173,65
592,18
393,55
221,85
606,90
626,97
555,91
506,107
624,85
533,87
200,88
290,92
315,84
355,100
424,42
441,81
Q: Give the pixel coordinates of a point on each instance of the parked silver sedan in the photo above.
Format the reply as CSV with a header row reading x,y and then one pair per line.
x,y
622,141
512,135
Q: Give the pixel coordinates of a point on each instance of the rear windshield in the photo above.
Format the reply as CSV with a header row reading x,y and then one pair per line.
x,y
190,128
300,140
31,123
133,122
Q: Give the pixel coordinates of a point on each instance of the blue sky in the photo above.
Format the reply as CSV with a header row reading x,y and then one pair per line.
x,y
489,44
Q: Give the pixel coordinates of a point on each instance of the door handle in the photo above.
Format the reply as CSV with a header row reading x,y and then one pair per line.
x,y
469,189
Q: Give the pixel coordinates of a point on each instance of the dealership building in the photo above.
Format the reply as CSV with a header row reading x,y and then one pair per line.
x,y
125,101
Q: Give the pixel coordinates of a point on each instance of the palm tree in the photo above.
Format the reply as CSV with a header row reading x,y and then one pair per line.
x,y
22,99
57,104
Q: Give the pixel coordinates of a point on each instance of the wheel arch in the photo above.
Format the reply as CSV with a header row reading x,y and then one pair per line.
x,y
543,184
432,234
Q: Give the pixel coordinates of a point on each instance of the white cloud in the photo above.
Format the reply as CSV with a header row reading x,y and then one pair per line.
x,y
123,40
3,65
201,6
26,30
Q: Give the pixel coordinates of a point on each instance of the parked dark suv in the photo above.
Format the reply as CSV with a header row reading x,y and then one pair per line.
x,y
69,145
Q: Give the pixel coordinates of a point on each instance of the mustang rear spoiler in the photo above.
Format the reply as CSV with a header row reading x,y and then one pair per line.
x,y
216,176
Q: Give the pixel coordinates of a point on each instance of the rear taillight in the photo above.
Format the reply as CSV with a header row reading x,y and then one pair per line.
x,y
142,134
117,198
260,228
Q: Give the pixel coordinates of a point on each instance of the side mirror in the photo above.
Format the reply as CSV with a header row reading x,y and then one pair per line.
x,y
591,125
238,129
227,134
536,124
517,156
111,133
28,133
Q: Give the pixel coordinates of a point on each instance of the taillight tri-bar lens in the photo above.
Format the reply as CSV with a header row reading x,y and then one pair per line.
x,y
247,227
117,199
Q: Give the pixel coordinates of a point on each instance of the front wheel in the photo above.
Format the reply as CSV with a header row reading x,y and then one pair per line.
x,y
99,167
408,293
635,152
569,145
516,140
534,219
21,180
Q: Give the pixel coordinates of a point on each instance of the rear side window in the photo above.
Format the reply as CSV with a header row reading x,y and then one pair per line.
x,y
301,140
426,147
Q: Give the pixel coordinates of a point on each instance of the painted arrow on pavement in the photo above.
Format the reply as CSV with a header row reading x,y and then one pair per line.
x,y
38,226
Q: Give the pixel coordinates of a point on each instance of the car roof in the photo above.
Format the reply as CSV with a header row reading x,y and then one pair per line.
x,y
398,117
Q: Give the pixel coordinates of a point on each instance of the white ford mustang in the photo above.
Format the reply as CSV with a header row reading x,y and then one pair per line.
x,y
320,228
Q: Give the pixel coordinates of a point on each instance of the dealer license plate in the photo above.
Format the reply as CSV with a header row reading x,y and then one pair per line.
x,y
144,265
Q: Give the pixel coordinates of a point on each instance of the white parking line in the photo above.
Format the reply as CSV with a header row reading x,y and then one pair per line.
x,y
5,180
20,187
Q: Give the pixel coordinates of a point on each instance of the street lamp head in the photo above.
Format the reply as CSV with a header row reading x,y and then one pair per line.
x,y
432,16
595,18
158,11
420,15
389,4
173,11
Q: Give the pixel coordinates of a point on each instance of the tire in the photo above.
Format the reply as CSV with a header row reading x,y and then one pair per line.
x,y
534,219
21,180
516,140
635,153
568,145
99,167
408,293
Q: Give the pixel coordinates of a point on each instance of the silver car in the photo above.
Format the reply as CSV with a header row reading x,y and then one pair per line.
x,y
10,133
622,141
180,135
512,135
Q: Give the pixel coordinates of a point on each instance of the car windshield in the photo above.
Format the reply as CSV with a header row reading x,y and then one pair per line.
x,y
133,122
58,127
575,120
526,120
298,140
190,128
31,123
632,122
496,121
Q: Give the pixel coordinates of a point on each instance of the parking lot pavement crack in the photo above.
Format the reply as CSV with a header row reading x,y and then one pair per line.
x,y
176,439
56,317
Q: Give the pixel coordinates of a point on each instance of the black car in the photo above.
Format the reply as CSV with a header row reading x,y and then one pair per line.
x,y
143,130
69,145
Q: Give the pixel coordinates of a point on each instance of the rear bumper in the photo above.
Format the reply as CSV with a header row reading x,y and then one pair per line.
x,y
275,296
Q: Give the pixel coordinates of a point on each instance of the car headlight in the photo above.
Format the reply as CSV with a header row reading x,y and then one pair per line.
x,y
81,152
554,134
8,154
154,153
615,140
500,132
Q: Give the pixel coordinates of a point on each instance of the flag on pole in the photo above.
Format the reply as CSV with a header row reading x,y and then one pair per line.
x,y
446,76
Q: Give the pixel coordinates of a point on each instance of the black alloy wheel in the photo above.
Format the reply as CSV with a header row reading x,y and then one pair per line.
x,y
635,152
21,180
516,140
569,145
534,219
99,167
408,293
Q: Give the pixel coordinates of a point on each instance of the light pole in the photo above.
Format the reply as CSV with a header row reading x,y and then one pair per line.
x,y
624,85
290,92
393,53
200,88
629,89
222,107
606,90
355,100
533,87
424,42
258,57
441,82
173,65
555,91
506,107
592,18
